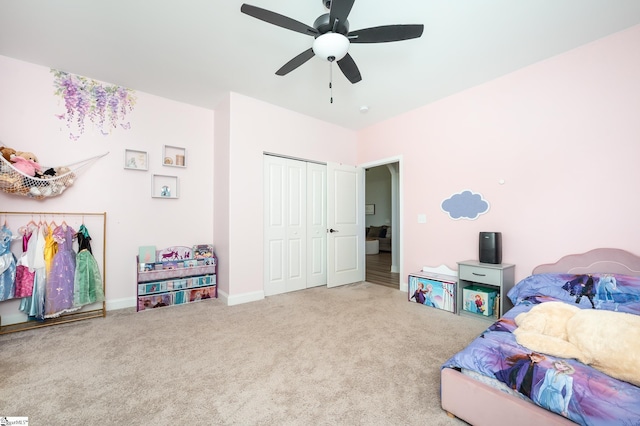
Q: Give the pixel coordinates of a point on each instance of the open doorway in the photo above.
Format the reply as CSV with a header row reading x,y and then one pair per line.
x,y
382,224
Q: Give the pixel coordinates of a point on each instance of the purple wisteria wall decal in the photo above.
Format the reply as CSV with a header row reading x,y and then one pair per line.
x,y
106,106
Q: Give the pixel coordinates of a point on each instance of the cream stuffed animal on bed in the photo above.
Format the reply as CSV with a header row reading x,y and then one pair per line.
x,y
606,340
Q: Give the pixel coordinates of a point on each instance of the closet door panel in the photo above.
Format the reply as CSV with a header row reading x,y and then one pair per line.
x,y
296,216
316,225
275,279
275,250
285,225
295,277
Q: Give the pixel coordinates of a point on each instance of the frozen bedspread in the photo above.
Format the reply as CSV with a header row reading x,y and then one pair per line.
x,y
565,386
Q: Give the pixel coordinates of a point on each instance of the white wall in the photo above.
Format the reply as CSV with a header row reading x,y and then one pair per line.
x,y
28,122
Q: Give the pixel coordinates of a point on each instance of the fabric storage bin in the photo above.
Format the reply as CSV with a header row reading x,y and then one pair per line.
x,y
479,300
435,290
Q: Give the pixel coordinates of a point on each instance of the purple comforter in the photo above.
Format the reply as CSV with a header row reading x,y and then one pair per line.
x,y
565,386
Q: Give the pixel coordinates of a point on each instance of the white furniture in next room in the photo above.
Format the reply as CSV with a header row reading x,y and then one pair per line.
x,y
372,246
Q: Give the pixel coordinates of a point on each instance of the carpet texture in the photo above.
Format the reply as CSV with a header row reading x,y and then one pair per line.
x,y
360,354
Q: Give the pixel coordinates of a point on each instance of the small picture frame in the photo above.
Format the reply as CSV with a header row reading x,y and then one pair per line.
x,y
174,156
369,209
163,186
136,160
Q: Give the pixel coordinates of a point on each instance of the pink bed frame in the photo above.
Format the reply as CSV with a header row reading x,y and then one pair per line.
x,y
480,404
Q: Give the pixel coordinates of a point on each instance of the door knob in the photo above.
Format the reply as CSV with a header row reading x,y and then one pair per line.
x,y
333,230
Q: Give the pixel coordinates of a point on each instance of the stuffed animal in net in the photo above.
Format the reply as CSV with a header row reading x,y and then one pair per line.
x,y
8,181
26,162
5,166
7,153
588,335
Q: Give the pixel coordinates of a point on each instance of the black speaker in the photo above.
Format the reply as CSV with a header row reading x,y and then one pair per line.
x,y
491,247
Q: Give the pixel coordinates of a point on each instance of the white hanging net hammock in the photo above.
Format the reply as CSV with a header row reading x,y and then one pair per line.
x,y
14,181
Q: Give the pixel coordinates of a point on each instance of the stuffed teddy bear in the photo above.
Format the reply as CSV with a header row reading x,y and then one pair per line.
x,y
7,152
606,340
26,162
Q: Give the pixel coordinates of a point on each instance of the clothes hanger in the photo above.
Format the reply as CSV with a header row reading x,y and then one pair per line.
x,y
31,222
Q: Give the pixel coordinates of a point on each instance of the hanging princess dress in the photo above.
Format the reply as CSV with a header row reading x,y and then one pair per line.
x,y
7,265
59,288
88,287
24,275
50,248
34,306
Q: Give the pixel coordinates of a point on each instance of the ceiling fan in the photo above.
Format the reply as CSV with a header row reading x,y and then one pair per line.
x,y
332,35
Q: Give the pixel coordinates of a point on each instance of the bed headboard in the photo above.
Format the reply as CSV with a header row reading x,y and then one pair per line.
x,y
601,260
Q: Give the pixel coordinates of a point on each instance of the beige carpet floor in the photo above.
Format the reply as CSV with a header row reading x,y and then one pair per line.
x,y
360,354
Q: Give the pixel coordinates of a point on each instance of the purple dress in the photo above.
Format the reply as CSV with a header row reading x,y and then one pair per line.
x,y
58,297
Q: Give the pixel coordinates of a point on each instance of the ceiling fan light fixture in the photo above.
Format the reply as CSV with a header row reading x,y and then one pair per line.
x,y
331,46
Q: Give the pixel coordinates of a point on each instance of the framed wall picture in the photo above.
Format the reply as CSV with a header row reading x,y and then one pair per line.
x,y
163,186
174,156
369,209
136,160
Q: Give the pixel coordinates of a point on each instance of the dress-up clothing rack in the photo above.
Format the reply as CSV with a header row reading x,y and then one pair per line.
x,y
96,223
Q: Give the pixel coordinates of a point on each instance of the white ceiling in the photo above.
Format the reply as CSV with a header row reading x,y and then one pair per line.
x,y
195,51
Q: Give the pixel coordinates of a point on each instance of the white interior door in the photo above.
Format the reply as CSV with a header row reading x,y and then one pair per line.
x,y
345,225
285,226
316,225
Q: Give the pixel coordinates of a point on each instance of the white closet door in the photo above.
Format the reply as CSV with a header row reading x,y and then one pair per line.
x,y
285,225
316,225
345,219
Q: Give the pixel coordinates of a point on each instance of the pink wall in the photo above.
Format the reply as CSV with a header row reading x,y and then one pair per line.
x,y
28,122
257,127
564,135
221,173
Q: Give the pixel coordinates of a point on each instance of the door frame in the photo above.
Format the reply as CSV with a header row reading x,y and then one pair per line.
x,y
397,222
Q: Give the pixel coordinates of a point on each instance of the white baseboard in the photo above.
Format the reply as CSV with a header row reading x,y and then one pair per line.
x,y
238,299
126,302
13,319
130,302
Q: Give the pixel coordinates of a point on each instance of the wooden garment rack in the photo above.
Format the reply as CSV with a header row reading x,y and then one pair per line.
x,y
98,220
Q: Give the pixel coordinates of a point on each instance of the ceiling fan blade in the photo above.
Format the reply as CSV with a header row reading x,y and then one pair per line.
x,y
277,19
385,33
340,10
350,69
296,62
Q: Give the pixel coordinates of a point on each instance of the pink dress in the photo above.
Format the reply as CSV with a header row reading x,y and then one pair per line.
x,y
24,276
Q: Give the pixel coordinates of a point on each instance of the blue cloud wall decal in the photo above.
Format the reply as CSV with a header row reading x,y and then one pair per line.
x,y
465,205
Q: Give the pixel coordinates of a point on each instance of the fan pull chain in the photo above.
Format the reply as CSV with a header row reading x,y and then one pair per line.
x,y
331,81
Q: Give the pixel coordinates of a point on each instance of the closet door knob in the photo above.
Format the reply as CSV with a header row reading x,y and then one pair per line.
x,y
333,230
